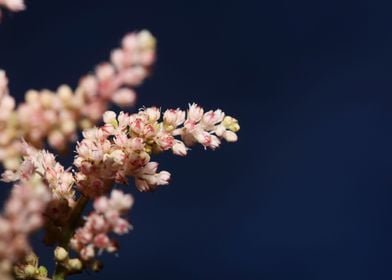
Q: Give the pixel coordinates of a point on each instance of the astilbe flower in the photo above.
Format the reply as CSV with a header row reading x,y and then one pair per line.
x,y
43,164
60,183
45,193
22,215
123,146
106,218
56,116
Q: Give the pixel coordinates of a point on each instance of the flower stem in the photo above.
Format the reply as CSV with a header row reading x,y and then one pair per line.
x,y
59,275
60,271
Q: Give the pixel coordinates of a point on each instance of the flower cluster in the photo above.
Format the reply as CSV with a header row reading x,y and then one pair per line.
x,y
112,81
123,146
56,116
43,164
29,268
45,193
22,216
107,217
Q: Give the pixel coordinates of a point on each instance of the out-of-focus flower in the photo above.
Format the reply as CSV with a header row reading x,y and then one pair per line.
x,y
12,5
55,116
106,218
43,164
23,214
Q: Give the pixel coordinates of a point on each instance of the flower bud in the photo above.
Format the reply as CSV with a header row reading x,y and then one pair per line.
x,y
146,40
227,121
56,139
32,259
117,58
153,114
29,270
68,127
179,148
87,252
109,117
31,96
105,71
60,254
234,127
195,112
42,271
230,136
75,264
129,42
124,97
64,92
46,98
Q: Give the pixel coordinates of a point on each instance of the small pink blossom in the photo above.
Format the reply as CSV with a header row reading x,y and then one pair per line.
x,y
173,117
120,202
195,112
153,114
179,148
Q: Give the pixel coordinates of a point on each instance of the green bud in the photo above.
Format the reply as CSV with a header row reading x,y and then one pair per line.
x,y
42,271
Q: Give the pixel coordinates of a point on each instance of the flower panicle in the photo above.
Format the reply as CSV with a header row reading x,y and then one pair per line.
x,y
44,195
106,218
123,146
56,116
43,164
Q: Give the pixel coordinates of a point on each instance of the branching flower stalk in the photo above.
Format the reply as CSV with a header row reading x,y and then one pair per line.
x,y
49,197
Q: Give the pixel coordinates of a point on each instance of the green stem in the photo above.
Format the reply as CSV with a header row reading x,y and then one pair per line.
x,y
60,271
59,275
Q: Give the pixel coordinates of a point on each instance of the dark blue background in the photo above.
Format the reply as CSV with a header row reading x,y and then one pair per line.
x,y
306,192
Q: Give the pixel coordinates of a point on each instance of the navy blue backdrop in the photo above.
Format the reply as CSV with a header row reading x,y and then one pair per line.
x,y
306,193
